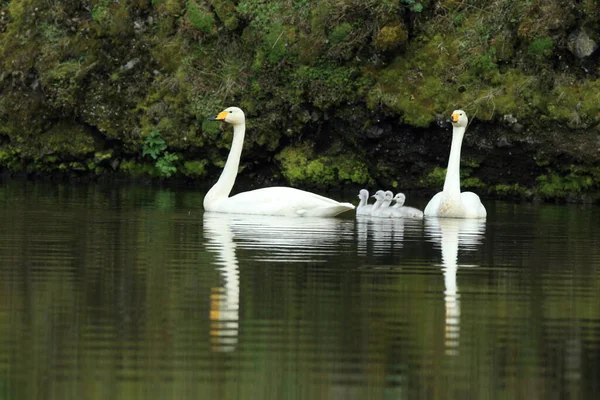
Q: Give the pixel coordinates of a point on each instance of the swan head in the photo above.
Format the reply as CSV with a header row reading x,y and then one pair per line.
x,y
363,194
388,195
459,119
399,198
231,115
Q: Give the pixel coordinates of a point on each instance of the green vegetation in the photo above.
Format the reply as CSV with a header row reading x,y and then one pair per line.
x,y
78,78
301,166
155,146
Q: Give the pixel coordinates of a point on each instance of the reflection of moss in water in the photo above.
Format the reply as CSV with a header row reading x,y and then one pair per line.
x,y
164,200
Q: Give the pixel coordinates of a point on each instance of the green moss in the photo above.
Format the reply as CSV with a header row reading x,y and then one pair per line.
x,y
203,20
135,169
436,177
413,84
10,159
340,33
275,44
391,37
101,13
576,179
299,165
67,139
471,182
195,168
574,102
540,48
226,11
327,86
509,191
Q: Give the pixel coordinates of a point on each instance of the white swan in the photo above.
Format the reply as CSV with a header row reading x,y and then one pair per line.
x,y
283,201
399,210
451,203
363,207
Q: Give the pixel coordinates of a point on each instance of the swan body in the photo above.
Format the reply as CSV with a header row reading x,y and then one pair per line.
x,y
407,212
450,202
363,207
401,211
284,201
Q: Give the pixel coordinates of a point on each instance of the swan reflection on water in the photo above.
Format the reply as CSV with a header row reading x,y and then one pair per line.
x,y
380,235
451,234
272,239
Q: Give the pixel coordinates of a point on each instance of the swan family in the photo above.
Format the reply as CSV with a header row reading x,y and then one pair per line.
x,y
287,201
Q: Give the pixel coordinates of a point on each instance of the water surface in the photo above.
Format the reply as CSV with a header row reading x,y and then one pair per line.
x,y
133,292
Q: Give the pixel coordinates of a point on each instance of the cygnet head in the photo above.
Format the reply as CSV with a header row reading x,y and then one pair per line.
x,y
399,198
459,119
388,196
379,195
363,194
231,115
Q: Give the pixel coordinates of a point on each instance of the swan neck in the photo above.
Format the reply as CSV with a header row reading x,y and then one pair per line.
x,y
223,187
452,183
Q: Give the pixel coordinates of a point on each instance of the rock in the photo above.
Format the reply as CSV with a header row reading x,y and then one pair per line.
x,y
503,142
580,44
374,131
130,64
518,128
509,119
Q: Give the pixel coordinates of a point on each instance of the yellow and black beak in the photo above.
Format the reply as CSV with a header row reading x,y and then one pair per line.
x,y
454,117
219,117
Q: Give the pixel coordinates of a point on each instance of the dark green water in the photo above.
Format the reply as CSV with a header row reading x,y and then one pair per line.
x,y
134,293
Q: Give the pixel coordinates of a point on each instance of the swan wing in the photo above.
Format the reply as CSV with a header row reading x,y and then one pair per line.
x,y
434,205
283,201
472,205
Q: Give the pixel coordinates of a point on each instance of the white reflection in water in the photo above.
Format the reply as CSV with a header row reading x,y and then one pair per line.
x,y
450,234
224,301
384,234
270,238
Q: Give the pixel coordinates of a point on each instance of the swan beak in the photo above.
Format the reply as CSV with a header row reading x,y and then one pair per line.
x,y
219,117
455,117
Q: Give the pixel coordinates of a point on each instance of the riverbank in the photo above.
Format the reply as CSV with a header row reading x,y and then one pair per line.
x,y
338,94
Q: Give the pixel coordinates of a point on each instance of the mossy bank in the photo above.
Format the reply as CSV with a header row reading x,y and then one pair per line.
x,y
338,93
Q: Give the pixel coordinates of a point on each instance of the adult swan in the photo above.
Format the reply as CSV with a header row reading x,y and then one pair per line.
x,y
451,203
268,201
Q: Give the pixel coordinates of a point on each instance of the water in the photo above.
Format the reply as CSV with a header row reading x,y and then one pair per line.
x,y
133,292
